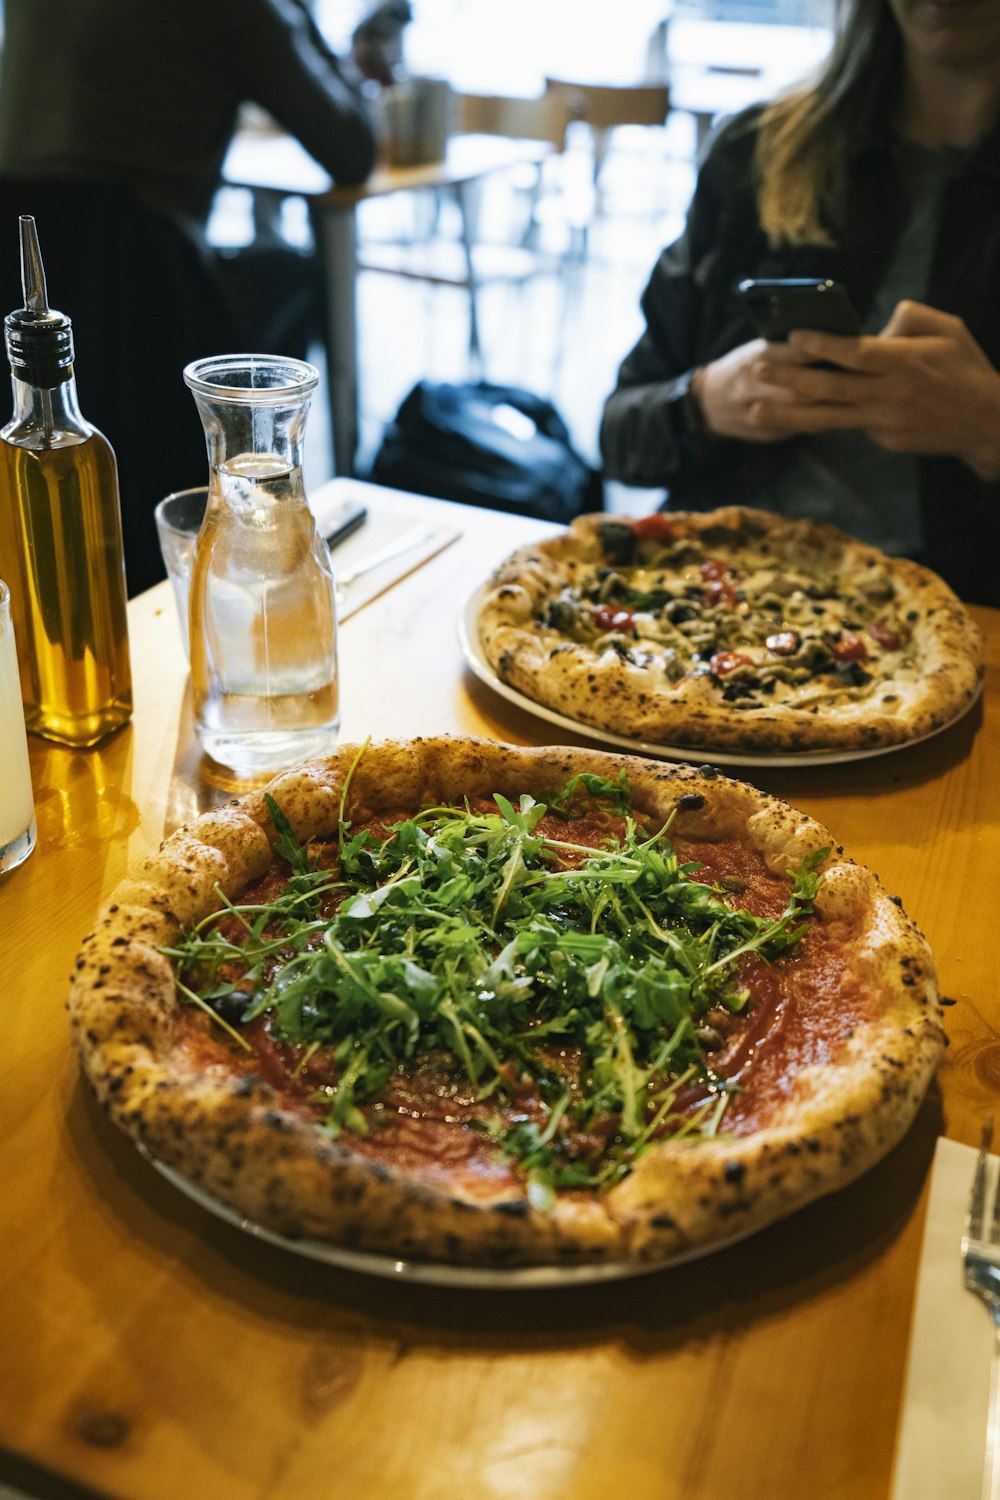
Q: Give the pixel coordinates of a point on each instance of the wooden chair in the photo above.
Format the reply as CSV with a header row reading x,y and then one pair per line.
x,y
542,118
546,117
603,107
467,261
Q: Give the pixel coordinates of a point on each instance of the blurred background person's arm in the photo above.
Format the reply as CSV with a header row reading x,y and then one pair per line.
x,y
377,42
285,65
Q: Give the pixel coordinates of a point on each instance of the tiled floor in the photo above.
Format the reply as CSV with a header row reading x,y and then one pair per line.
x,y
561,334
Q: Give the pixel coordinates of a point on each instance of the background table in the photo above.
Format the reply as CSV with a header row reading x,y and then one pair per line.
x,y
147,1350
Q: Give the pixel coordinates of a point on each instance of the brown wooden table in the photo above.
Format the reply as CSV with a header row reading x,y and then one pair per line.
x,y
148,1350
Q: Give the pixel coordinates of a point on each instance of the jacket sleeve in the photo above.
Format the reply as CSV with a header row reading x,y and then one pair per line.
x,y
648,436
291,72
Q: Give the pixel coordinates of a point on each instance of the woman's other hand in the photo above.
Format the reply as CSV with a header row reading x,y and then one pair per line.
x,y
923,385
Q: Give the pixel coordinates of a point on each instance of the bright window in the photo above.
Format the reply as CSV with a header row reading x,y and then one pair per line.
x,y
509,46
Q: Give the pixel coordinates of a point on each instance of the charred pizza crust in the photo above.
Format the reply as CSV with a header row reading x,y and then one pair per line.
x,y
234,1138
749,633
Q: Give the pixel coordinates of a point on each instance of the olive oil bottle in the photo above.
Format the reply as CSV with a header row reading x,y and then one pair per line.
x,y
61,549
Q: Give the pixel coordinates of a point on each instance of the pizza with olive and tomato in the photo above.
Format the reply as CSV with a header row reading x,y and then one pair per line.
x,y
458,1002
734,630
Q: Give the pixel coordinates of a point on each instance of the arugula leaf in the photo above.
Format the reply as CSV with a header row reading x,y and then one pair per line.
x,y
287,845
806,879
618,793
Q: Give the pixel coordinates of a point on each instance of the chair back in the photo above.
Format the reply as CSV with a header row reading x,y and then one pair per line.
x,y
603,106
545,118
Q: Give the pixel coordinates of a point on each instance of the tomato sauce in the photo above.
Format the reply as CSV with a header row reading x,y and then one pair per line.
x,y
763,894
420,1123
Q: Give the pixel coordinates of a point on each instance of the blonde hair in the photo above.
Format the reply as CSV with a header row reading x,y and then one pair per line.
x,y
801,150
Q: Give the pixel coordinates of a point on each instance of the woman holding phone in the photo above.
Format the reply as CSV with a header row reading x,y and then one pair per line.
x,y
883,175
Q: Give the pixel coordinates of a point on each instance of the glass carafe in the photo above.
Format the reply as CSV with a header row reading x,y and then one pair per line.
x,y
263,622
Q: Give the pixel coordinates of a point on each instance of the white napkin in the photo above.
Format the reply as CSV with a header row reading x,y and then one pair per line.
x,y
942,1432
389,520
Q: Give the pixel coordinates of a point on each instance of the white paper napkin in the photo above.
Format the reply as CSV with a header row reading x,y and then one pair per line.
x,y
942,1432
389,521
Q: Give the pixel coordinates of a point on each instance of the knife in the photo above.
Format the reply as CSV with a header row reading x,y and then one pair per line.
x,y
349,517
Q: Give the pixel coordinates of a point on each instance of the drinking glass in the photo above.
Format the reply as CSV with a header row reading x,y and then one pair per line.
x,y
178,522
17,808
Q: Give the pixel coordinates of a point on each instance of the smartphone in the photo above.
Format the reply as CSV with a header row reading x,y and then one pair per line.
x,y
799,302
343,522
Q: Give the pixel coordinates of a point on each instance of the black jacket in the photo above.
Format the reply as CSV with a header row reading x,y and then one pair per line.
x,y
145,94
693,315
115,117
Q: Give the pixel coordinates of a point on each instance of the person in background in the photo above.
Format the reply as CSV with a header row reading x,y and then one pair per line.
x,y
883,174
377,41
115,118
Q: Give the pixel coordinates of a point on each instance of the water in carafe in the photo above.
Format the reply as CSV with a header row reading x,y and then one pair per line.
x,y
263,614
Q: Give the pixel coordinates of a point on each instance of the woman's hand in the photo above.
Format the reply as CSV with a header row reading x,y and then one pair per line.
x,y
737,400
923,385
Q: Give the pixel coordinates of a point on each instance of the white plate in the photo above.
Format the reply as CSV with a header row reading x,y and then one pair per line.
x,y
433,1273
468,635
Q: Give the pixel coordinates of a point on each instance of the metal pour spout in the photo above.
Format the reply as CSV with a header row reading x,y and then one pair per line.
x,y
32,270
39,339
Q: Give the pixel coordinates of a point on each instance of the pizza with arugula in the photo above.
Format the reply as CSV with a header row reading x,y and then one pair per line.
x,y
454,1001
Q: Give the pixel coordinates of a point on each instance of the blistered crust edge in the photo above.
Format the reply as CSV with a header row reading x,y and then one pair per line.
x,y
232,1138
609,693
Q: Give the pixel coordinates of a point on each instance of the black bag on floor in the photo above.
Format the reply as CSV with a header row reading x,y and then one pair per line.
x,y
492,445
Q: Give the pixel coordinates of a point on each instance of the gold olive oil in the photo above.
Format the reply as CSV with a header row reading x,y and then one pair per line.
x,y
60,555
61,552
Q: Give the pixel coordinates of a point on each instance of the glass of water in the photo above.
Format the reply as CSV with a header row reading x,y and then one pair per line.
x,y
178,522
